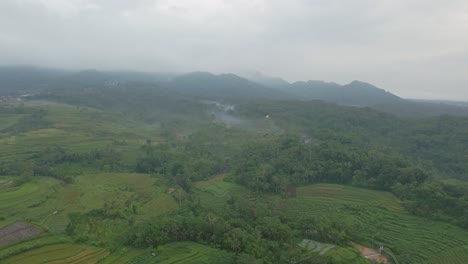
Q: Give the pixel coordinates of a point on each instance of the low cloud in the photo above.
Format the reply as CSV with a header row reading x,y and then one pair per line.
x,y
413,48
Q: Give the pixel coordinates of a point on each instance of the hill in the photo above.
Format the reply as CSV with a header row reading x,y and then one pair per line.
x,y
421,108
18,80
26,80
207,85
355,93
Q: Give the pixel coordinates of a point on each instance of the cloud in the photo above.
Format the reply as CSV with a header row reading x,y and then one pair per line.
x,y
413,48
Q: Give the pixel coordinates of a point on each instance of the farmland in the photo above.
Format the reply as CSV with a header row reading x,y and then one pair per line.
x,y
117,190
16,232
73,128
214,193
184,252
377,217
59,254
315,246
46,202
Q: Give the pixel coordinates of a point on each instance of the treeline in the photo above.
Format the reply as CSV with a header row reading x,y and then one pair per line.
x,y
256,233
149,103
179,166
437,143
272,165
251,232
63,164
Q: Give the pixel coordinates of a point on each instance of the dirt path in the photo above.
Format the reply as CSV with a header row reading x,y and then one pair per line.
x,y
371,254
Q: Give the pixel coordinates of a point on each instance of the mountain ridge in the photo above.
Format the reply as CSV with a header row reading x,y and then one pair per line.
x,y
18,80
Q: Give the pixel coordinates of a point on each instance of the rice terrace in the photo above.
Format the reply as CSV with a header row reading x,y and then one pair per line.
x,y
127,167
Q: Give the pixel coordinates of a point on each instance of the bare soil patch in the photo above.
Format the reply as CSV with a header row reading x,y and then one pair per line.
x,y
371,254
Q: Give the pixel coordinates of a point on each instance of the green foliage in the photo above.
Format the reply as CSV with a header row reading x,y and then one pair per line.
x,y
368,217
192,162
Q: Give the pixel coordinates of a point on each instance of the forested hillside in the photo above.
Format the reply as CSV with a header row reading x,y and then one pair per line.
x,y
26,80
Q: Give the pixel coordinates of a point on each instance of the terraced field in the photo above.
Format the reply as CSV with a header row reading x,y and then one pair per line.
x,y
214,193
72,128
59,249
28,201
377,217
456,255
123,256
26,246
183,252
8,120
60,254
47,202
317,247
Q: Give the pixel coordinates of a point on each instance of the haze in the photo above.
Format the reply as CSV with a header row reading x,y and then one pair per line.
x,y
415,49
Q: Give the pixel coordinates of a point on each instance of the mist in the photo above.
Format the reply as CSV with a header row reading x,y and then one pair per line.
x,y
416,49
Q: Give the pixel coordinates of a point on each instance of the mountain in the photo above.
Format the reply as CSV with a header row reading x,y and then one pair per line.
x,y
355,93
204,84
362,94
27,79
265,80
413,108
21,80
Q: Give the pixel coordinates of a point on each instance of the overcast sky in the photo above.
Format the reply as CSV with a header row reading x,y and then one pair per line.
x,y
413,48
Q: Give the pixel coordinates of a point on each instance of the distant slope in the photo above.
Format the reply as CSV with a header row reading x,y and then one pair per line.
x,y
21,80
414,108
27,79
355,93
363,94
204,84
273,82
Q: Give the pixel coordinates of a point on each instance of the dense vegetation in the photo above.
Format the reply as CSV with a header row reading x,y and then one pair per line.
x,y
126,171
271,166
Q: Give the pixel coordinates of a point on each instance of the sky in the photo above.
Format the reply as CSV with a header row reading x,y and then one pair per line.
x,y
413,48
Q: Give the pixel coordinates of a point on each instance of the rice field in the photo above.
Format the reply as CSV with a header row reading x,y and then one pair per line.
x,y
71,128
46,202
214,193
26,246
183,252
317,247
456,255
377,217
60,254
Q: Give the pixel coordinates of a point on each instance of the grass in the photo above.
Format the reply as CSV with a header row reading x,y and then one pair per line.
x,y
215,192
28,201
374,217
26,246
74,129
377,217
183,252
123,256
60,254
38,201
317,247
8,120
456,255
